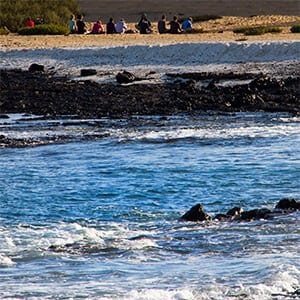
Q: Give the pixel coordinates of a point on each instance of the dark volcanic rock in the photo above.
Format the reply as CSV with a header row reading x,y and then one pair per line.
x,y
231,215
222,217
125,77
195,214
289,204
88,72
284,206
236,211
255,214
36,68
45,94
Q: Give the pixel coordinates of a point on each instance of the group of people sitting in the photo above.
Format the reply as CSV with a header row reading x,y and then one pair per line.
x,y
175,26
79,26
31,23
144,26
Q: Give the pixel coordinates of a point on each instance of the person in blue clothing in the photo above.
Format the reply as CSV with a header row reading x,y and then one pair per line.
x,y
187,25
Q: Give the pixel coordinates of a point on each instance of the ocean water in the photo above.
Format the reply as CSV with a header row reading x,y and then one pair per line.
x,y
96,215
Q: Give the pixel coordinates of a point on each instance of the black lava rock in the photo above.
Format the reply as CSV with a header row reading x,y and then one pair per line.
x,y
88,72
36,68
288,203
255,214
125,77
196,214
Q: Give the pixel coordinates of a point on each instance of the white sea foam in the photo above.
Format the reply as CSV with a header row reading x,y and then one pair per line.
x,y
5,261
61,234
280,286
209,133
15,128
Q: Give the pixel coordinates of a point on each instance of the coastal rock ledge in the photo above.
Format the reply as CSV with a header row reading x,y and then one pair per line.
x,y
284,206
47,94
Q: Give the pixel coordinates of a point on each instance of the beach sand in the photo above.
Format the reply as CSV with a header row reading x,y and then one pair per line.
x,y
215,31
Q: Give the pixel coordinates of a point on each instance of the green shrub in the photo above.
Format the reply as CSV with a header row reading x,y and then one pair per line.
x,y
295,29
241,30
44,29
13,13
257,30
4,31
273,30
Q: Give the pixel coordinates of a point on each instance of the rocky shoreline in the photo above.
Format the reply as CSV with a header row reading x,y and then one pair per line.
x,y
50,95
284,206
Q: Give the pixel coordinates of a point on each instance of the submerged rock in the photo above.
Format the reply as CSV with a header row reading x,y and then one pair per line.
x,y
231,215
196,214
222,217
255,214
236,211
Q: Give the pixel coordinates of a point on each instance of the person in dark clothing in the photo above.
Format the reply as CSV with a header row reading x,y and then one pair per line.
x,y
110,26
144,25
175,26
81,27
162,25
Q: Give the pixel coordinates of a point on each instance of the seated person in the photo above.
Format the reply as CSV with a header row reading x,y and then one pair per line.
x,y
175,26
81,27
143,20
110,26
162,25
98,27
29,22
187,25
121,26
72,24
145,27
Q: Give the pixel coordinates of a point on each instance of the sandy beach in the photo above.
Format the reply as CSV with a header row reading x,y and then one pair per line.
x,y
214,31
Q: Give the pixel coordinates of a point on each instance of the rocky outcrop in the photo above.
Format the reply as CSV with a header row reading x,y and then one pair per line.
x,y
232,214
196,213
88,72
288,204
43,93
36,68
125,77
255,214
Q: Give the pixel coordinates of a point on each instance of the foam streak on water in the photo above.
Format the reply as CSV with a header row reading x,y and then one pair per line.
x,y
97,217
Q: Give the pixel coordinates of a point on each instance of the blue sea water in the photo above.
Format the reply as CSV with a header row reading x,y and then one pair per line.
x,y
97,216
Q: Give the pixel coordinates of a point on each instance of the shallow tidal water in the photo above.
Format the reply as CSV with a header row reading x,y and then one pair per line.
x,y
96,216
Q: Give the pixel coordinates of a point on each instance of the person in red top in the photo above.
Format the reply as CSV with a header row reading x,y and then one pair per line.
x,y
98,27
29,22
